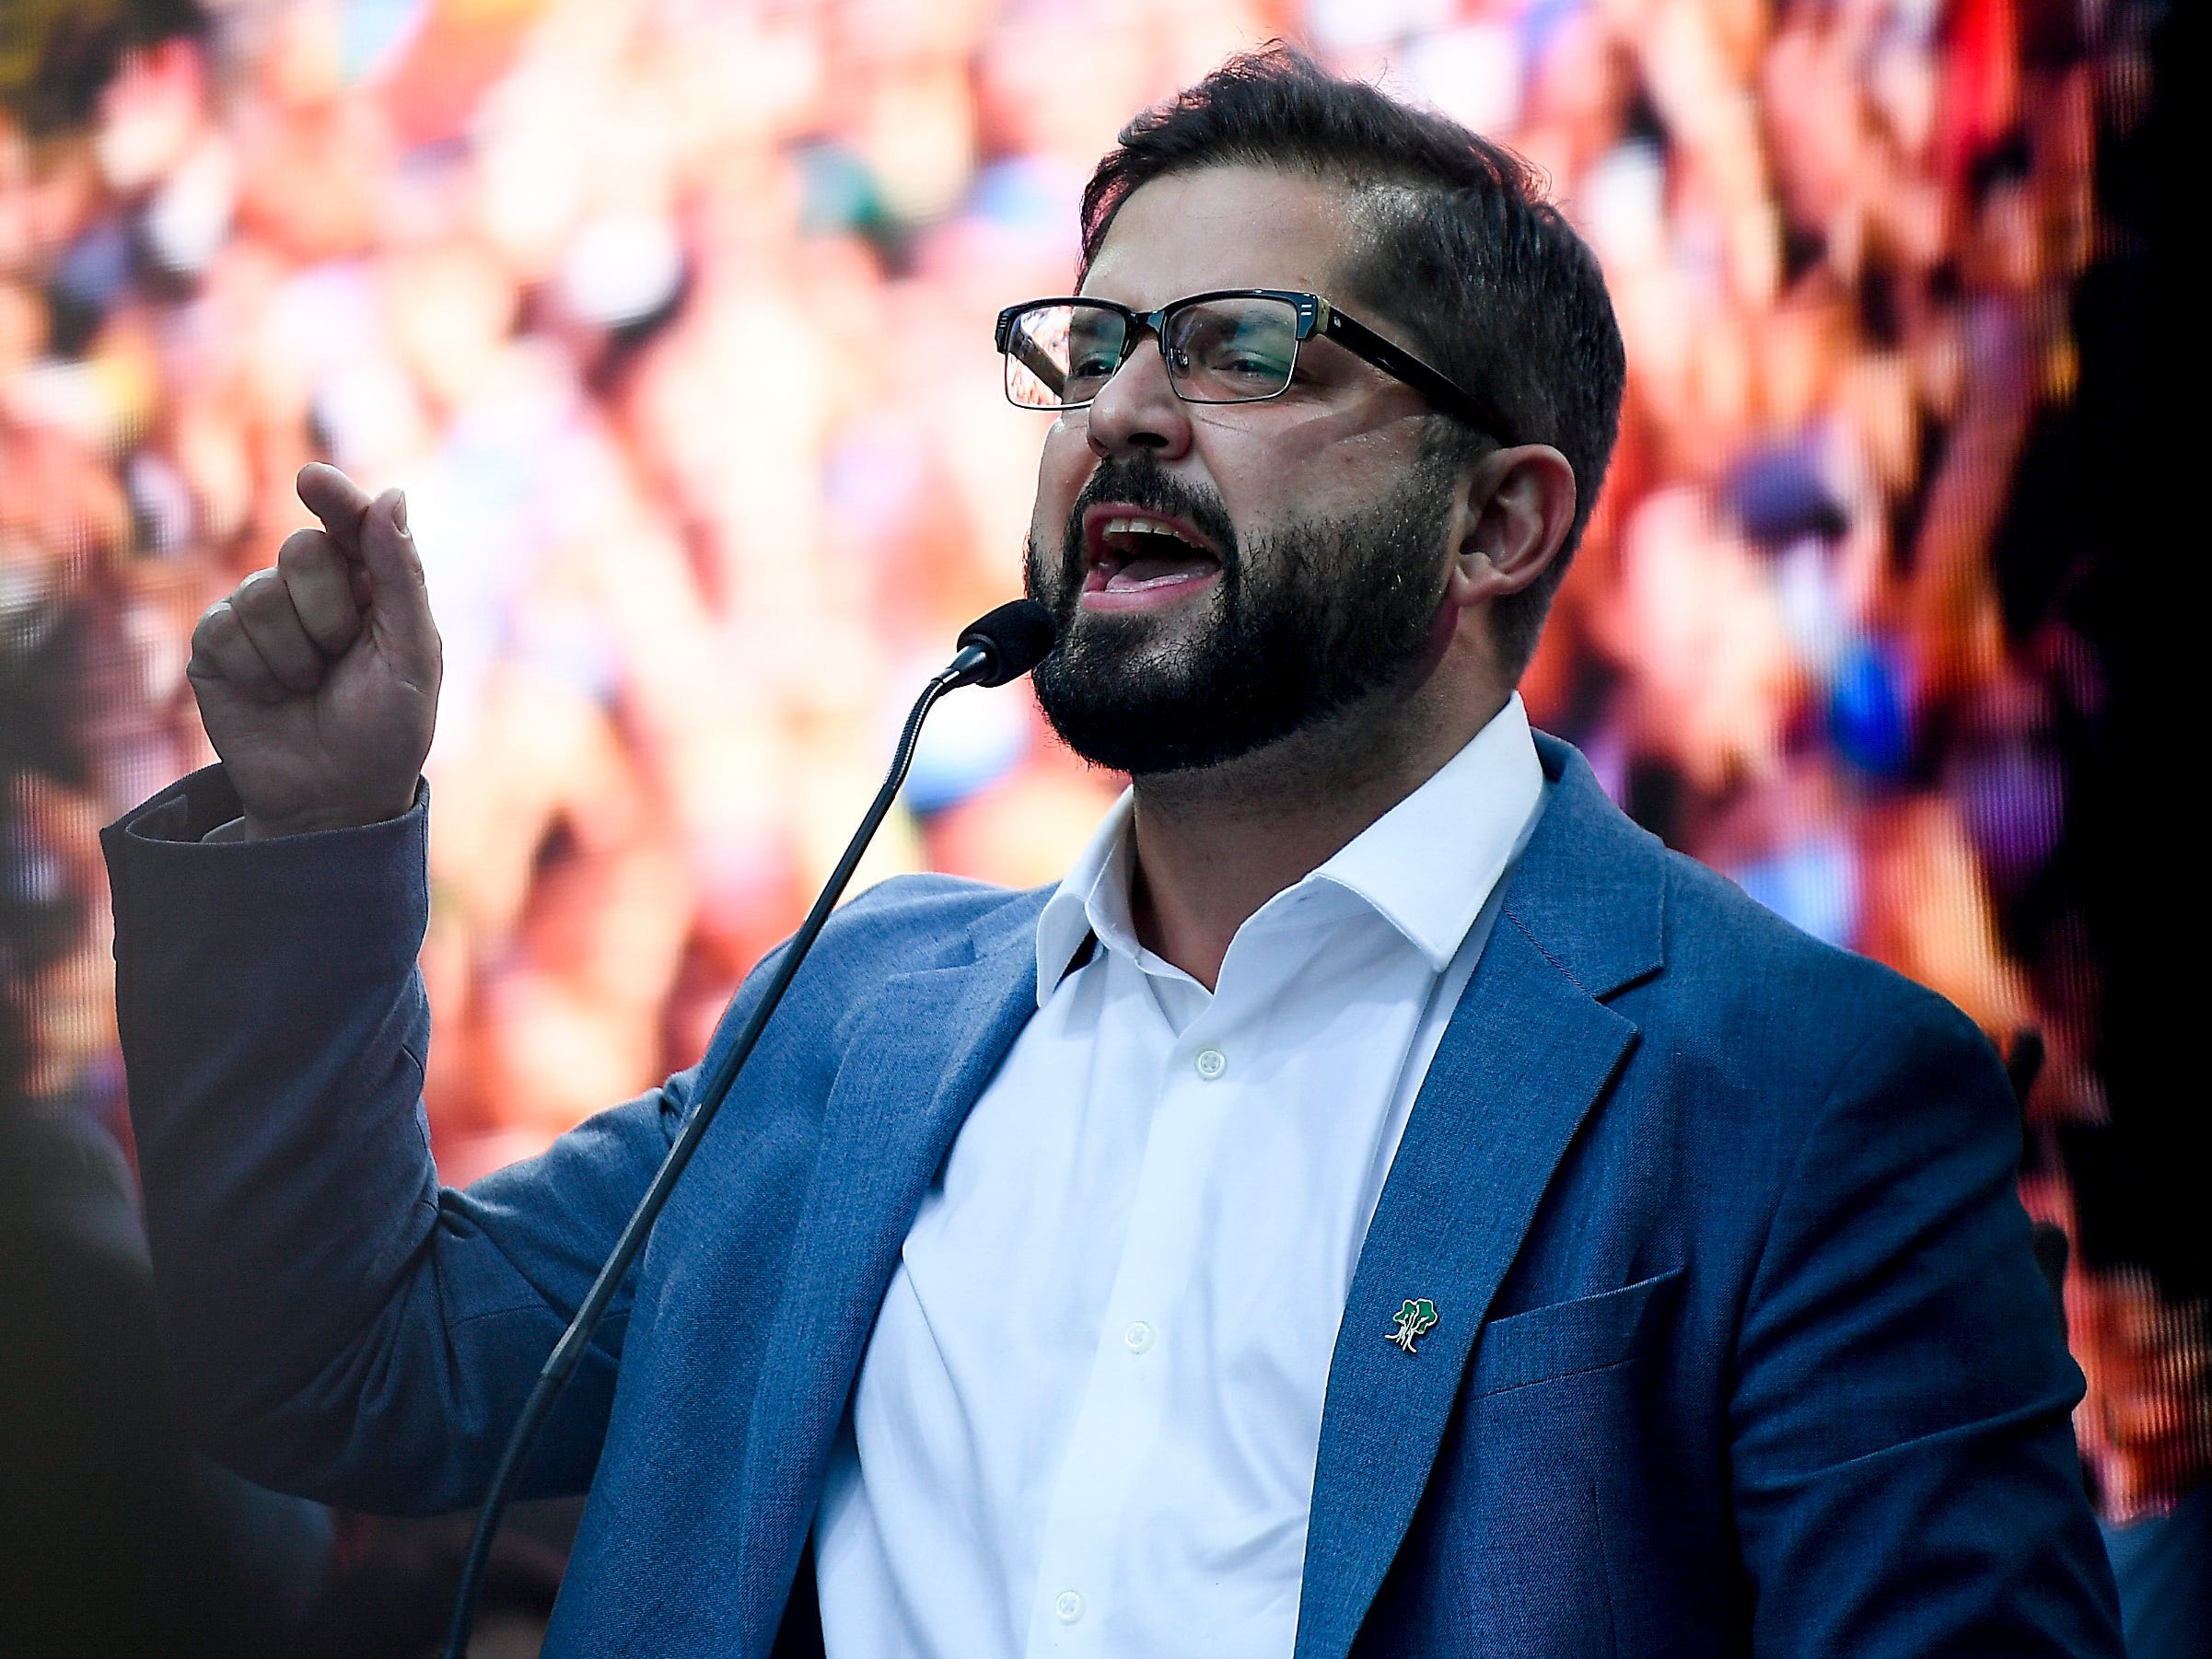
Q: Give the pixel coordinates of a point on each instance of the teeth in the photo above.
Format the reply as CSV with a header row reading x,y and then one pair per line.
x,y
1145,526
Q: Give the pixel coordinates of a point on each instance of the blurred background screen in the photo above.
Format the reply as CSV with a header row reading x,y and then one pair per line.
x,y
673,318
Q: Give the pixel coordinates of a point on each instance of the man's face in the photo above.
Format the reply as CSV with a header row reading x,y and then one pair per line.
x,y
1225,574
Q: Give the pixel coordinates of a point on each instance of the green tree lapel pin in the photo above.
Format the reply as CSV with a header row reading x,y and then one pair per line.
x,y
1414,1320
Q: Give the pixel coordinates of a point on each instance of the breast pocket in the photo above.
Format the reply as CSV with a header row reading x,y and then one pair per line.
x,y
1590,1333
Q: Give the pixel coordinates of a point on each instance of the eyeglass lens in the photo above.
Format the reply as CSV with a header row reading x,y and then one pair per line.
x,y
1237,349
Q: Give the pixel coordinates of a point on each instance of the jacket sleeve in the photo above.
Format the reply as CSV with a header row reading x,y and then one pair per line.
x,y
1905,1479
335,1324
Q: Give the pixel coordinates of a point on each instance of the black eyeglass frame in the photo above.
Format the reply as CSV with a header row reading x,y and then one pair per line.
x,y
1316,317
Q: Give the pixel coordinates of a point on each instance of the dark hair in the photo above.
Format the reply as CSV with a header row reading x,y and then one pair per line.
x,y
1487,279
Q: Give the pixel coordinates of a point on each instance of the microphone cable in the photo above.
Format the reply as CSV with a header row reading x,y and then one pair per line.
x,y
1001,645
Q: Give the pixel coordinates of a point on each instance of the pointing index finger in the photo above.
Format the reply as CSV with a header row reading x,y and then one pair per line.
x,y
340,503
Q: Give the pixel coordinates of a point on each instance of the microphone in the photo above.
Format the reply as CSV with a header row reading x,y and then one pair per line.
x,y
1003,645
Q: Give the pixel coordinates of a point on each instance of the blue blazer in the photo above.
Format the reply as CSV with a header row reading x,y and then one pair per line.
x,y
1740,1349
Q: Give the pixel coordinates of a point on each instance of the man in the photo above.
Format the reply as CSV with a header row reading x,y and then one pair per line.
x,y
1380,1201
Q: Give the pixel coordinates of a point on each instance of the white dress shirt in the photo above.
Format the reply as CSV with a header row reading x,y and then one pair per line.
x,y
1088,1418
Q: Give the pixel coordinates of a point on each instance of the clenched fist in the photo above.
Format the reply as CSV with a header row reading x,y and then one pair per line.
x,y
318,679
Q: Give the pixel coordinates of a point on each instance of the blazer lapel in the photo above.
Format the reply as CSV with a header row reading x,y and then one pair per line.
x,y
1529,1049
910,1075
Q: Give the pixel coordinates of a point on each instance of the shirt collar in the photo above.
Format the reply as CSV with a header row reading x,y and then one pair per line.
x,y
1097,884
1426,866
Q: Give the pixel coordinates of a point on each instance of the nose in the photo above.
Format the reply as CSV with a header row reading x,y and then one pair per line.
x,y
1137,409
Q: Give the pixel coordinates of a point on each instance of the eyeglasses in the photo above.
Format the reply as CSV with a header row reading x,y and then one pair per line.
x,y
1233,345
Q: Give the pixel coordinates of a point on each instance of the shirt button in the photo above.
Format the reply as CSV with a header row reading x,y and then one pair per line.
x,y
1137,1339
1069,1606
1211,1064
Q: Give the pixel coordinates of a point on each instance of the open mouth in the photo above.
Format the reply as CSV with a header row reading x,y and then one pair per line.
x,y
1138,555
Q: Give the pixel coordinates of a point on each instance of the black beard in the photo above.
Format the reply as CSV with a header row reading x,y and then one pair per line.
x,y
1306,622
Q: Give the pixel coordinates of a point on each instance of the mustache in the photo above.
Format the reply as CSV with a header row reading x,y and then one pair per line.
x,y
1142,482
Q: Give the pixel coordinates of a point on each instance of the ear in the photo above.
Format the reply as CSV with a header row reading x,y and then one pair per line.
x,y
1515,509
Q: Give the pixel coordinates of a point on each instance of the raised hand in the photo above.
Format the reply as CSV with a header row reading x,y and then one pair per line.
x,y
318,679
